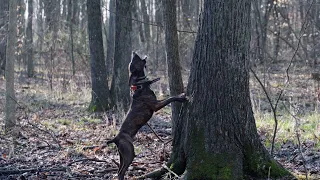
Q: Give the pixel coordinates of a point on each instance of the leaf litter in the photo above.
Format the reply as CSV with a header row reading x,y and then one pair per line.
x,y
55,129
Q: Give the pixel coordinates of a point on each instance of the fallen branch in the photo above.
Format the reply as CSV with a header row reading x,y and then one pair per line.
x,y
86,159
32,170
168,169
93,147
107,170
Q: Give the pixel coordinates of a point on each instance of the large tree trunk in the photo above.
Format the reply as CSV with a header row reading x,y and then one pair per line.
x,y
4,7
123,50
10,120
172,49
29,40
100,90
218,137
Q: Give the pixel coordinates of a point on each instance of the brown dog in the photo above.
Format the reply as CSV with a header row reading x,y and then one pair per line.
x,y
143,104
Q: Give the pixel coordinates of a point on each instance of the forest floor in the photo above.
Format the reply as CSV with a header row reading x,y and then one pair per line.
x,y
54,128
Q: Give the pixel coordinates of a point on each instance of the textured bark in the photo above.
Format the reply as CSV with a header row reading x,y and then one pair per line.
x,y
10,108
146,26
111,34
4,7
71,18
29,40
136,12
51,10
172,49
218,137
20,32
100,91
40,28
123,50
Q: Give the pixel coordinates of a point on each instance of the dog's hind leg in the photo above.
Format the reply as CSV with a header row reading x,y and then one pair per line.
x,y
126,151
121,162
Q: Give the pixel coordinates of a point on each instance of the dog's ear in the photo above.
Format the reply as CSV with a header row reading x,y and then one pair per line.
x,y
145,58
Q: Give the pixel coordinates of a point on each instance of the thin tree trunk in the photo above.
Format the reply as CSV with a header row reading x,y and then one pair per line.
x,y
4,7
10,120
146,26
71,24
120,90
100,93
172,49
111,36
20,33
40,30
29,40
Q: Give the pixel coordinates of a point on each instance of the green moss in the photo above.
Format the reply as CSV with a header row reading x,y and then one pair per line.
x,y
217,166
258,166
178,167
92,108
65,122
207,165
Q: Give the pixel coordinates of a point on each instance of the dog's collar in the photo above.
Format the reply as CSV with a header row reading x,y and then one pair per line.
x,y
135,87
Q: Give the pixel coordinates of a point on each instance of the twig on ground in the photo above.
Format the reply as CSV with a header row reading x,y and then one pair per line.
x,y
114,161
32,170
107,170
168,169
87,159
93,147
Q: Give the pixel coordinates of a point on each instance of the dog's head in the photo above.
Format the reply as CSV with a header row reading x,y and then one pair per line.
x,y
136,69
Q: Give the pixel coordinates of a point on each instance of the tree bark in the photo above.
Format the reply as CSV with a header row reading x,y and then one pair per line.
x,y
4,7
146,26
218,137
123,50
20,32
100,91
111,34
10,108
29,40
71,18
172,49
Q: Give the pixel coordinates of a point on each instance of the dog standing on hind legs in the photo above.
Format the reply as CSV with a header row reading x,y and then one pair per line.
x,y
143,104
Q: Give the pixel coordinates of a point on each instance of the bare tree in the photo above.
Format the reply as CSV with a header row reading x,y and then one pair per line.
x,y
29,40
10,120
172,49
100,90
123,50
4,7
